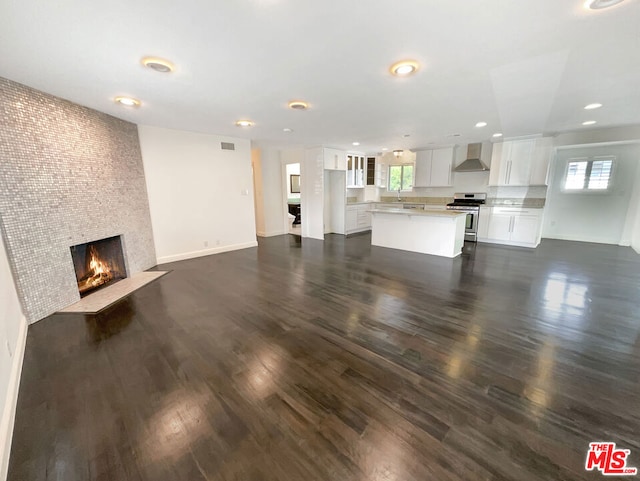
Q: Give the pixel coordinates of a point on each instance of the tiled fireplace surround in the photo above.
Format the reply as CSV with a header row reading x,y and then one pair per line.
x,y
68,175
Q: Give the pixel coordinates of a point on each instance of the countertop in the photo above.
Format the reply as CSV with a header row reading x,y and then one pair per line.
x,y
420,212
500,202
401,203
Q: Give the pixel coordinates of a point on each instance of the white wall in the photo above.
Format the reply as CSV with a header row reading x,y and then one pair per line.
x,y
258,190
13,333
335,188
200,196
592,217
633,219
635,238
269,192
591,136
312,189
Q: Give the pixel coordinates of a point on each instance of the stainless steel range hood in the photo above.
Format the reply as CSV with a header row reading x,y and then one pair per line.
x,y
473,162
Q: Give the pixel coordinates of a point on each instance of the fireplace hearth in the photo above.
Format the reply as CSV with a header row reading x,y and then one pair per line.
x,y
98,264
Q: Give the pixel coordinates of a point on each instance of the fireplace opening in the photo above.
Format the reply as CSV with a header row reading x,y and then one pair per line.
x,y
98,264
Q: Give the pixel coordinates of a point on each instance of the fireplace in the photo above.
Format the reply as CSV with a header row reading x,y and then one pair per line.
x,y
98,264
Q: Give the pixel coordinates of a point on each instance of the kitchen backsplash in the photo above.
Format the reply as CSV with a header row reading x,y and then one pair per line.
x,y
525,196
530,196
419,200
524,192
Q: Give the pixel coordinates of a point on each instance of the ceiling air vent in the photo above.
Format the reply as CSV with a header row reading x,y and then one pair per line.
x,y
227,146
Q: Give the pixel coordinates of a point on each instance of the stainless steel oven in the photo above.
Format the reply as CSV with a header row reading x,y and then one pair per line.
x,y
469,203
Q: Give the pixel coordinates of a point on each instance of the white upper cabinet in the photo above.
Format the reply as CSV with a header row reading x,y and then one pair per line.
x,y
441,165
433,168
370,170
334,159
422,175
355,170
381,175
519,157
541,158
520,162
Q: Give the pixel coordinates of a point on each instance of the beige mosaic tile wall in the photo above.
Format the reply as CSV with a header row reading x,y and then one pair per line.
x,y
68,175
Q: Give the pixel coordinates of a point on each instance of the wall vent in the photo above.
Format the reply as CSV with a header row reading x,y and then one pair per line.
x,y
227,146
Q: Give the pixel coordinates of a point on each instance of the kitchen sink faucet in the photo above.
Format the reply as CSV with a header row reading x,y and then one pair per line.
x,y
399,199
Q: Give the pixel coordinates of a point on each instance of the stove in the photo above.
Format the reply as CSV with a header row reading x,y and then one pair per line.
x,y
469,203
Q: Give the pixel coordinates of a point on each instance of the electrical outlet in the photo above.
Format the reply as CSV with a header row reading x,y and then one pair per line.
x,y
218,242
206,243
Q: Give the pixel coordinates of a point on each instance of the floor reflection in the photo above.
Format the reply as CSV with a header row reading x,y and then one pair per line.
x,y
109,322
180,420
564,295
538,390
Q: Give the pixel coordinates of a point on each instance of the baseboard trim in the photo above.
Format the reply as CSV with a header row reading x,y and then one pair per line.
x,y
10,403
507,243
582,239
206,252
313,237
271,234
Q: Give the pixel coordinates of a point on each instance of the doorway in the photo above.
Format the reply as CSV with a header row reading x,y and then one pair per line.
x,y
294,211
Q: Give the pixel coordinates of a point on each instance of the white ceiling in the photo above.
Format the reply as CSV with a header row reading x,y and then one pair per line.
x,y
522,66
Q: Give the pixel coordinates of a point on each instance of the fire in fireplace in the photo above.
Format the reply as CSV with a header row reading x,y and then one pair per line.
x,y
98,263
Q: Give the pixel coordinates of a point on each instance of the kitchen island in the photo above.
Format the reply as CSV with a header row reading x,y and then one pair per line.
x,y
436,232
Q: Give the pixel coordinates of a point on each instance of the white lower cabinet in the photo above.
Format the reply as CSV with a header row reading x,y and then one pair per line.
x,y
483,222
358,218
500,227
526,229
351,219
510,226
364,217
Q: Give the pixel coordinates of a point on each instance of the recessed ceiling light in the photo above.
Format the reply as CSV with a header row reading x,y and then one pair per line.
x,y
384,149
287,129
244,123
497,134
481,124
158,64
454,135
355,143
404,68
406,136
128,101
599,4
589,122
298,105
593,106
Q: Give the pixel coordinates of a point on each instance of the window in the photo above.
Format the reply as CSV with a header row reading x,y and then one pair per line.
x,y
400,177
589,174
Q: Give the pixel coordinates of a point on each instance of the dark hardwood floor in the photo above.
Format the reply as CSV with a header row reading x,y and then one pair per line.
x,y
339,361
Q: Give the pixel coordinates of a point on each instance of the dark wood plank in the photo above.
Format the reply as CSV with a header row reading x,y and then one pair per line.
x,y
339,360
